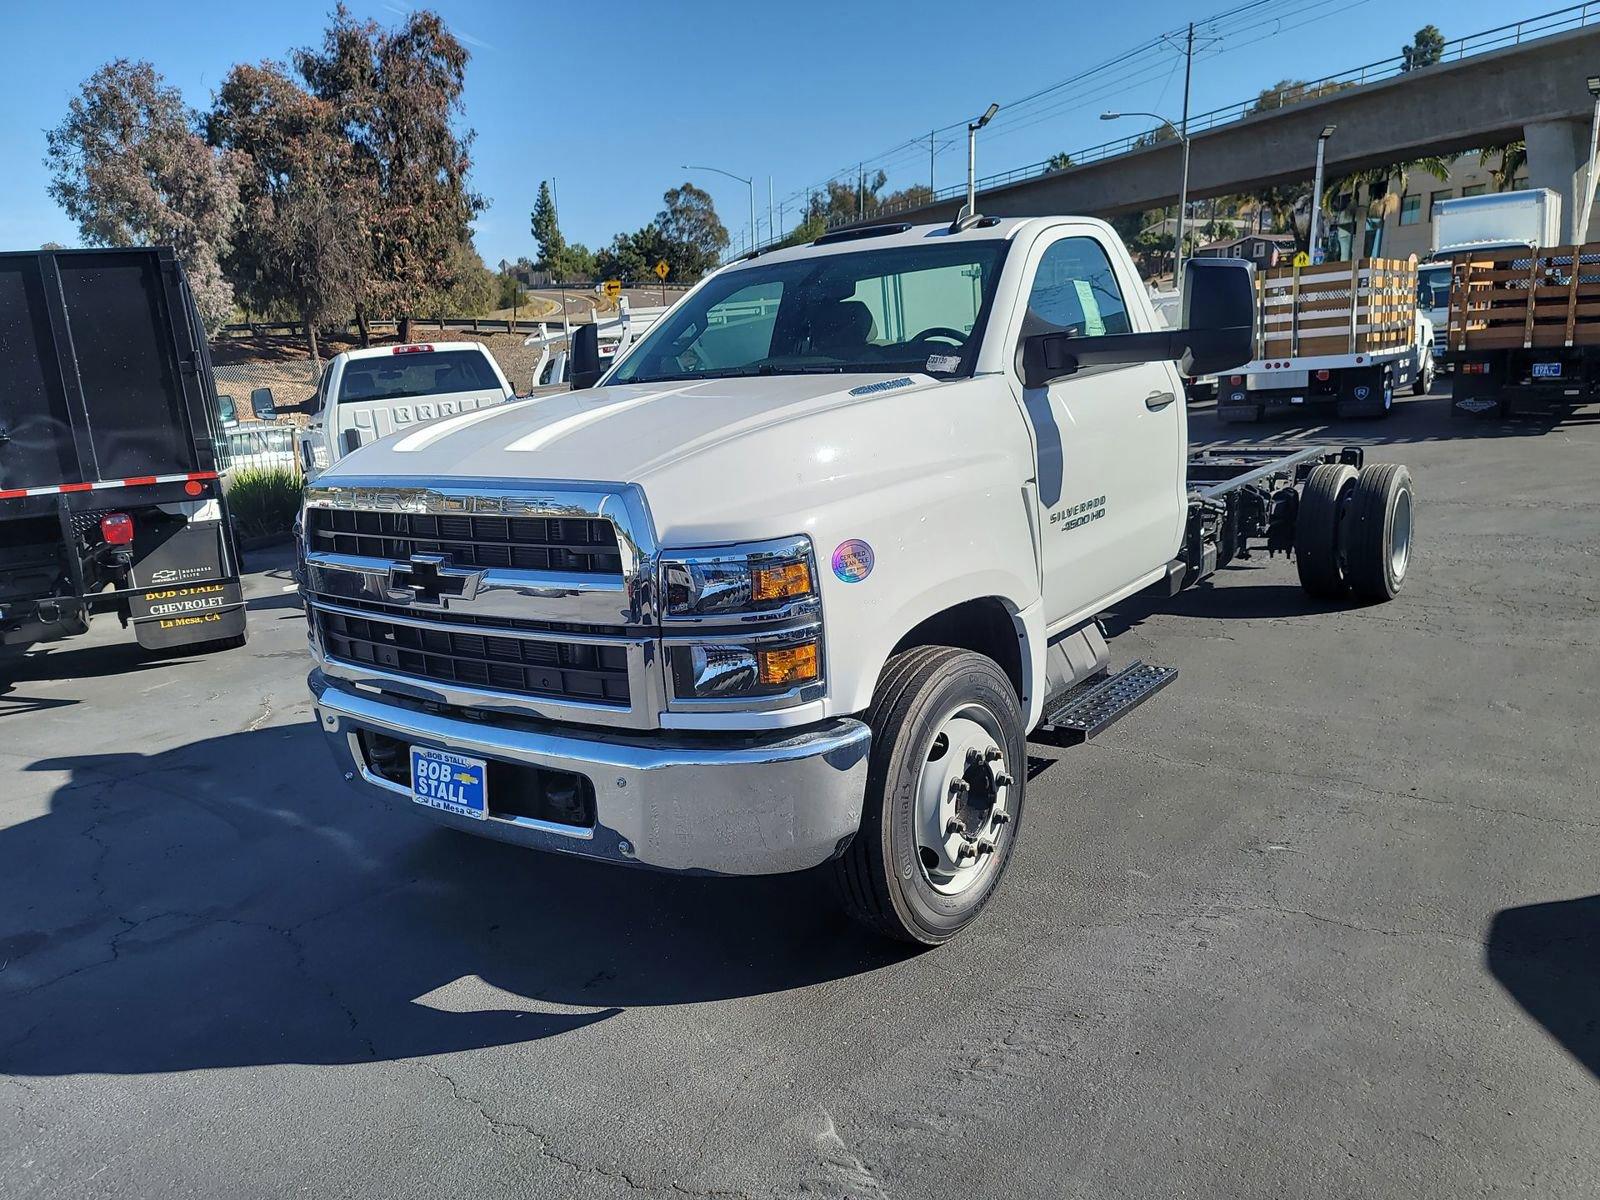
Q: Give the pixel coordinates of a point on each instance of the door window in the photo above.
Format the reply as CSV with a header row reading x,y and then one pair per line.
x,y
1075,291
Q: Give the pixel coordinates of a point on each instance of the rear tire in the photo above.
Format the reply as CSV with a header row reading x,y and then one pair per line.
x,y
932,705
1381,510
1316,529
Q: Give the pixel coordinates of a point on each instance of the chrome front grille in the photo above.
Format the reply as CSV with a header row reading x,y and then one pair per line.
x,y
578,544
487,594
525,664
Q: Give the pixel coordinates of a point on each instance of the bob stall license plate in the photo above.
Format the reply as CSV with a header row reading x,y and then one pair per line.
x,y
450,782
1547,370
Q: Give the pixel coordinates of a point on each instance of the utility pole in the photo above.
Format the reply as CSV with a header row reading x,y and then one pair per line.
x,y
772,230
931,187
861,191
1183,189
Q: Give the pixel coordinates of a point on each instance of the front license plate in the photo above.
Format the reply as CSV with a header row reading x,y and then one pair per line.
x,y
1547,370
451,782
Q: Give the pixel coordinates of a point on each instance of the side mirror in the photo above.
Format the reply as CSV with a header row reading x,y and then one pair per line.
x,y
584,367
227,412
1218,331
262,404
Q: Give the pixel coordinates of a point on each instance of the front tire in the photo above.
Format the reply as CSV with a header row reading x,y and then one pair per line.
x,y
1424,381
944,798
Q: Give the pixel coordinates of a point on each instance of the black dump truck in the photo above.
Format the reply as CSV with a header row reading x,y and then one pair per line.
x,y
111,454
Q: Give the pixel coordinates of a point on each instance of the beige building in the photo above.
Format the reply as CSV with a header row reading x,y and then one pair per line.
x,y
1408,228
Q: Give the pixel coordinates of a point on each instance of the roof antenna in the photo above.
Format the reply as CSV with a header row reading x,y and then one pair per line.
x,y
969,211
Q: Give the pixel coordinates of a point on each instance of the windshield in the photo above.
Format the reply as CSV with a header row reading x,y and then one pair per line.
x,y
1433,287
417,373
910,308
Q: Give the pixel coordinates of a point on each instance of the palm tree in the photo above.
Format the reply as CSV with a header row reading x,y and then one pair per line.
x,y
1513,157
1359,186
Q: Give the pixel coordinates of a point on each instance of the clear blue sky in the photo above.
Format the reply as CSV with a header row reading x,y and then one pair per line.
x,y
611,97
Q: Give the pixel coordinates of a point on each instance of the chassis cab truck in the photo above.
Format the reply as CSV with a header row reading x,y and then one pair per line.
x,y
794,583
110,495
1343,334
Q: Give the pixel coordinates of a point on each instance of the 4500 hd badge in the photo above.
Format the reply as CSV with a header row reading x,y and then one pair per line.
x,y
1079,514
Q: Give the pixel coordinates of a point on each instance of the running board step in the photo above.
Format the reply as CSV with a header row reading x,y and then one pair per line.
x,y
1100,701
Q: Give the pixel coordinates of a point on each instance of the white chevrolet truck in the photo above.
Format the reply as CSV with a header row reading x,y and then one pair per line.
x,y
797,578
364,395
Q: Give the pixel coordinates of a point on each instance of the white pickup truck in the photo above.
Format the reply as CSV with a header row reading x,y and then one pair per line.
x,y
364,395
797,580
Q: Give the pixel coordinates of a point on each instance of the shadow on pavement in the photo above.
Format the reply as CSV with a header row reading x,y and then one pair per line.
x,y
233,903
66,660
1414,419
1547,956
1237,600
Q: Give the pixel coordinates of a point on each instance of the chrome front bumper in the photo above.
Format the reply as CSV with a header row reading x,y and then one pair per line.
x,y
729,805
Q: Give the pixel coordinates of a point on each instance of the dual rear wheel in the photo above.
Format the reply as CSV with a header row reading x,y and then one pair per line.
x,y
1353,531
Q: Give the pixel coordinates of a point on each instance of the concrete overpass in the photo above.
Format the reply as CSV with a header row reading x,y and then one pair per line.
x,y
1534,90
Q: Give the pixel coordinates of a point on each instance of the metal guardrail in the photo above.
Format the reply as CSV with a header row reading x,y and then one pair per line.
x,y
1561,20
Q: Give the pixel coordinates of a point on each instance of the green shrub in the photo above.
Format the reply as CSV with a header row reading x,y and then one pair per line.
x,y
264,500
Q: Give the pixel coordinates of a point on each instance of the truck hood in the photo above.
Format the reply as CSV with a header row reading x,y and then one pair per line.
x,y
623,434
719,460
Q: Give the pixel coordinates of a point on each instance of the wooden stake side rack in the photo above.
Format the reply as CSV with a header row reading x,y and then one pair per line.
x,y
1362,307
1521,299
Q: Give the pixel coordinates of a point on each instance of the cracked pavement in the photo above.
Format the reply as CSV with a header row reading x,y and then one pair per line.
x,y
1321,920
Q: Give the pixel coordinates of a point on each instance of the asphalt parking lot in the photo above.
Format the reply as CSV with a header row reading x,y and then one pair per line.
x,y
1319,921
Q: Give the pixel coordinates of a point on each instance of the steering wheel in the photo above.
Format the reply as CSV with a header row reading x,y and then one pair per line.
x,y
940,331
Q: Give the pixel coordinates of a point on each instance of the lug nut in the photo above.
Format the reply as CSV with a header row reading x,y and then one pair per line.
x,y
992,754
972,757
959,787
964,852
1002,780
956,825
1000,818
985,846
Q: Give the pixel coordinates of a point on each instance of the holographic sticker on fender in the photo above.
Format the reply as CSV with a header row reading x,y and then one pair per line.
x,y
852,561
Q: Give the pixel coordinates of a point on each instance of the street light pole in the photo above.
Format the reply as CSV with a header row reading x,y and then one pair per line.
x,y
971,208
749,183
1316,192
1183,184
1580,233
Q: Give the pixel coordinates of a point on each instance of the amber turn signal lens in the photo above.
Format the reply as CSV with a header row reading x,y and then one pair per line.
x,y
792,664
780,581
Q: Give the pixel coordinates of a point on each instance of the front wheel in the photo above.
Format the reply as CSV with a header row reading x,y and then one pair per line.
x,y
944,796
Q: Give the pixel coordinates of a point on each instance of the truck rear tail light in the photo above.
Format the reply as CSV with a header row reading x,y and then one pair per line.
x,y
117,529
1236,380
421,348
1471,368
1324,376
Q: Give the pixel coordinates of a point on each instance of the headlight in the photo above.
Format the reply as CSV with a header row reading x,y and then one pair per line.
x,y
723,594
752,581
779,665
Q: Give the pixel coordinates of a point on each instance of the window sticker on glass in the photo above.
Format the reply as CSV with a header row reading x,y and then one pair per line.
x,y
1094,325
943,363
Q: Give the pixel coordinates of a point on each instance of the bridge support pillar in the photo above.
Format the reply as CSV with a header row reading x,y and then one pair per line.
x,y
1558,159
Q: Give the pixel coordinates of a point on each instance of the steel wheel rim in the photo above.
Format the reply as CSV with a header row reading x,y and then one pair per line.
x,y
963,801
1400,543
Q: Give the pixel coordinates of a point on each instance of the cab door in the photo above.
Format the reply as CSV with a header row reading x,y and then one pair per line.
x,y
1109,441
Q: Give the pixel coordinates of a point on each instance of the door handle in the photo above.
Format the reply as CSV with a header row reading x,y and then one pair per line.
x,y
1156,401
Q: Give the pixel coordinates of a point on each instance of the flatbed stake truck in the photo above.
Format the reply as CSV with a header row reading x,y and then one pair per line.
x,y
792,585
1345,335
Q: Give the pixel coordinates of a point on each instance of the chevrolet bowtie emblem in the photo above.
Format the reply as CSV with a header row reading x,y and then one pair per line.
x,y
430,579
